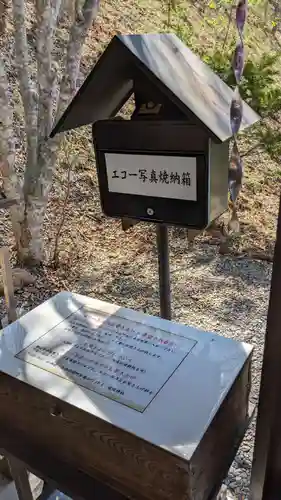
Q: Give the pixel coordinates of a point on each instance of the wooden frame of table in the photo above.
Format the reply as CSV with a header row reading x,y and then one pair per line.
x,y
58,475
160,448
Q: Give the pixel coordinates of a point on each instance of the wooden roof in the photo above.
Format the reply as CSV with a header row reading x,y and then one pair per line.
x,y
188,82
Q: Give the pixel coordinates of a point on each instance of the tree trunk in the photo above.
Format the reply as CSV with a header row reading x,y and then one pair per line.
x,y
41,102
37,184
29,242
38,177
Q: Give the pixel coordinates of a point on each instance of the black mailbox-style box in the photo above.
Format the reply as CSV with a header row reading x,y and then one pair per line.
x,y
169,162
160,171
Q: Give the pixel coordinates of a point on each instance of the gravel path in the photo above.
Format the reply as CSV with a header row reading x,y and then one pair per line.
x,y
212,292
224,294
230,297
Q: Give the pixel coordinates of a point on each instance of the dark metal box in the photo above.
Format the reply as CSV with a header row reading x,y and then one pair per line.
x,y
172,167
161,171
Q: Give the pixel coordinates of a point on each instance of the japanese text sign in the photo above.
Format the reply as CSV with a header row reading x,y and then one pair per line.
x,y
152,175
123,360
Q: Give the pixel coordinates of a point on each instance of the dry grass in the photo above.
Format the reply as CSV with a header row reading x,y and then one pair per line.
x,y
259,199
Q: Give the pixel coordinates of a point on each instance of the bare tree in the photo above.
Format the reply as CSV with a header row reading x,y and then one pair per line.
x,y
44,99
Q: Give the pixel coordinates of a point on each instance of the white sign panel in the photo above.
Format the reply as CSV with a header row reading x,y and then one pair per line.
x,y
149,175
113,356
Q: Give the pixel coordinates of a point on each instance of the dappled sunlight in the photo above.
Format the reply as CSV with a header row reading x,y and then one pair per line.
x,y
81,350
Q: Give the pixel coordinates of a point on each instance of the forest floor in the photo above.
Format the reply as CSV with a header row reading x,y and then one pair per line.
x,y
227,293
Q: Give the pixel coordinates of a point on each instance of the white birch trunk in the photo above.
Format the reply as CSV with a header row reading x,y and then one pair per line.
x,y
31,247
47,154
39,110
11,184
28,92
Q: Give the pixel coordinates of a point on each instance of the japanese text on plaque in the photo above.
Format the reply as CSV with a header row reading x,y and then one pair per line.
x,y
113,356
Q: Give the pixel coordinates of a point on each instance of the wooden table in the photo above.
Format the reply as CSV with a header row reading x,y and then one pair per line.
x,y
111,403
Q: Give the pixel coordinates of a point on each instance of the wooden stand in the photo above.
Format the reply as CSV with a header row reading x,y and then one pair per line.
x,y
8,284
9,466
93,447
266,471
177,444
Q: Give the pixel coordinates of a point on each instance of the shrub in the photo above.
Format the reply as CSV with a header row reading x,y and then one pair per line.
x,y
261,89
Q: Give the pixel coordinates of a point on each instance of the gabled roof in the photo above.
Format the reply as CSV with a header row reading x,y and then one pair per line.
x,y
188,82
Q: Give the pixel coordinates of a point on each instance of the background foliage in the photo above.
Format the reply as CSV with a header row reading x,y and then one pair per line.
x,y
261,83
204,25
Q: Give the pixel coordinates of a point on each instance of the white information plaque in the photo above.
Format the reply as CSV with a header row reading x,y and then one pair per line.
x,y
152,175
121,359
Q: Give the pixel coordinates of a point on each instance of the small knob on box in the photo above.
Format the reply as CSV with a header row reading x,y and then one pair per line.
x,y
56,412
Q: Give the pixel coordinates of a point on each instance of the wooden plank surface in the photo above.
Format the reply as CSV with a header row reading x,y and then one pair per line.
x,y
217,449
174,70
47,465
90,444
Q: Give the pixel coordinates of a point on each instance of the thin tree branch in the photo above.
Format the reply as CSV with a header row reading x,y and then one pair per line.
x,y
47,14
251,149
8,284
78,33
229,24
5,203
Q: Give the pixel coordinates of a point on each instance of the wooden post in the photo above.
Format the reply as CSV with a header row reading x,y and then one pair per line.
x,y
6,203
164,270
266,470
17,469
8,284
20,477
